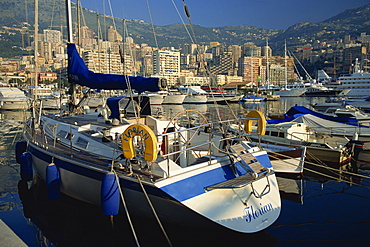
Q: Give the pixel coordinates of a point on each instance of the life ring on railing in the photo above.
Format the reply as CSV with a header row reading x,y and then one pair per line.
x,y
261,128
147,135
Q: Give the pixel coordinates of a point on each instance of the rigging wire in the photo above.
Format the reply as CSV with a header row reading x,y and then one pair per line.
x,y
112,15
126,209
129,88
334,170
161,72
202,61
101,33
52,15
152,24
154,212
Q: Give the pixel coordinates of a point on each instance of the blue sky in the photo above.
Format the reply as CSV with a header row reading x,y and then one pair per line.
x,y
279,14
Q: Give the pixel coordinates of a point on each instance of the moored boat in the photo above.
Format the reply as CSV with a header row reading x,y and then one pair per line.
x,y
285,159
172,97
290,92
182,165
355,85
252,98
194,95
12,98
322,146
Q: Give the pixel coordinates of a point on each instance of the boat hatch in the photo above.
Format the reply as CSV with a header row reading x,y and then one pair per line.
x,y
254,169
234,183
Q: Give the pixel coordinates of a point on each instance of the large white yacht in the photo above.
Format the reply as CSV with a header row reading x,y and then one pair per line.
x,y
355,85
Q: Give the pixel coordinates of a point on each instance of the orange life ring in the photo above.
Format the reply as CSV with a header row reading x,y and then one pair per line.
x,y
147,135
261,128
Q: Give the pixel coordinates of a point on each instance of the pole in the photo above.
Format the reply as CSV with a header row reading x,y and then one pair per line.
x,y
70,40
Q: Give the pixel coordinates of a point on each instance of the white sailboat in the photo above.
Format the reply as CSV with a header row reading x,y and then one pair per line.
x,y
181,169
194,94
289,90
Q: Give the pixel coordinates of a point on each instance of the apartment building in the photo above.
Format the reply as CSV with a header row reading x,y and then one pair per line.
x,y
167,64
106,62
250,68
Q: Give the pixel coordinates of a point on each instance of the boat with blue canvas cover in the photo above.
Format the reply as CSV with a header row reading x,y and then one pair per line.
x,y
252,98
188,170
185,169
297,111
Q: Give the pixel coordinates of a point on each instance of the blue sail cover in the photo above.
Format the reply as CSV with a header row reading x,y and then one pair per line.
x,y
113,104
297,111
304,110
79,73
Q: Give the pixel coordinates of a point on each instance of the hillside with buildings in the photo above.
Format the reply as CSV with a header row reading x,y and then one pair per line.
x,y
233,55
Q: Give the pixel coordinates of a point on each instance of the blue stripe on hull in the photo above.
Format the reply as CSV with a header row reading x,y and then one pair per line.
x,y
67,165
194,186
182,190
264,160
97,175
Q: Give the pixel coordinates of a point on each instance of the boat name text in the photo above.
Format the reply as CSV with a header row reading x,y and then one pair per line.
x,y
137,131
253,214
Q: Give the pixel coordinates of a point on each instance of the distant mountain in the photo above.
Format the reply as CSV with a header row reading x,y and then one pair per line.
x,y
13,13
349,22
358,17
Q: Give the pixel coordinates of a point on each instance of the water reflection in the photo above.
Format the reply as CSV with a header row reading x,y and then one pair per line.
x,y
316,209
68,222
11,121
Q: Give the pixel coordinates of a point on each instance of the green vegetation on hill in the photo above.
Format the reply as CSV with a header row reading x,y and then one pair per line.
x,y
13,13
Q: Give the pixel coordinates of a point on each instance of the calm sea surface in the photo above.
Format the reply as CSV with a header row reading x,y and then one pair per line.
x,y
316,210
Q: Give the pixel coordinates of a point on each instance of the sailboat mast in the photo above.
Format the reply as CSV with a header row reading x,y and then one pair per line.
x,y
36,47
70,40
78,23
285,65
267,65
69,21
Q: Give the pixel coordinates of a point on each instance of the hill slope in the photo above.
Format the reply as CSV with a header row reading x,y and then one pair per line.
x,y
13,13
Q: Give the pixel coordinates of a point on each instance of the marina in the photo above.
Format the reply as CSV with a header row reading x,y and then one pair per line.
x,y
309,210
188,169
178,150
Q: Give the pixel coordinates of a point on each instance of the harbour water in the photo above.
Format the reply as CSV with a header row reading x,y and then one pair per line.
x,y
316,210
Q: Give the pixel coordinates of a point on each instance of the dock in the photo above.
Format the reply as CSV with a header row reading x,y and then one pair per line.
x,y
8,237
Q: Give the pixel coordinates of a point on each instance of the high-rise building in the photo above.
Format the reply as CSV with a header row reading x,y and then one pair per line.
x,y
146,56
129,40
236,53
190,49
251,50
223,64
52,36
250,69
107,62
167,64
266,51
113,35
87,33
146,65
351,54
87,37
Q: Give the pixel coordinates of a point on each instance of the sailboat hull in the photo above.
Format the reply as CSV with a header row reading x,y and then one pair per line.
x,y
239,209
296,92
